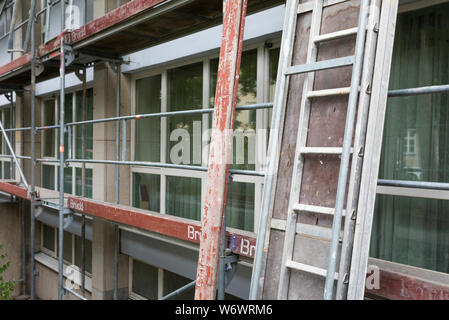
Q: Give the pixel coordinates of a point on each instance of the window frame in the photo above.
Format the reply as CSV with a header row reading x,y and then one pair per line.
x,y
55,165
262,117
54,254
4,147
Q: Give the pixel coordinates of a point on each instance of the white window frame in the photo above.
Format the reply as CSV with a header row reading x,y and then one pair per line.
x,y
55,165
4,149
262,95
54,254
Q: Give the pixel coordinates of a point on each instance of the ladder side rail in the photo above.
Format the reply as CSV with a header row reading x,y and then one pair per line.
x,y
359,141
373,147
346,154
273,153
290,232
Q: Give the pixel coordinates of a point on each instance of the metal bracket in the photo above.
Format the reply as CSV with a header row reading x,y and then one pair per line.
x,y
69,55
114,66
80,75
39,66
230,261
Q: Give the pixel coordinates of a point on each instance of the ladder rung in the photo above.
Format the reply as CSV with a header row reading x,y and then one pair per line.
x,y
321,150
315,209
308,268
328,92
336,35
305,229
320,65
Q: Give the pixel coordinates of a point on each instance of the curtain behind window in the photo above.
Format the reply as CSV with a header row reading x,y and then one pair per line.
x,y
415,231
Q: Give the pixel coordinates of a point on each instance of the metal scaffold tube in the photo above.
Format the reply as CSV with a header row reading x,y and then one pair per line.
x,y
33,159
61,158
117,179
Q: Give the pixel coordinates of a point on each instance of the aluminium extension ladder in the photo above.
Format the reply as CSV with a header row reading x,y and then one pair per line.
x,y
302,150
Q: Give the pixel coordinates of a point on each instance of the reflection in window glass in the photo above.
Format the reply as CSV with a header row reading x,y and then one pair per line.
x,y
240,206
183,198
145,280
148,130
245,121
146,191
87,185
49,135
415,147
185,92
88,128
48,177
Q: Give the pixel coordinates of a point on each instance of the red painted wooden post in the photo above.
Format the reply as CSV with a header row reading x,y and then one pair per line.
x,y
220,148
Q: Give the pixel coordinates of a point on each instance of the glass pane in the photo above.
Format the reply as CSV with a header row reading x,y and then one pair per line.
x,y
68,117
414,230
273,71
173,282
146,191
49,237
148,131
49,135
7,125
67,249
240,206
415,145
88,182
67,180
145,280
88,253
183,198
6,170
48,177
245,121
185,92
80,116
411,231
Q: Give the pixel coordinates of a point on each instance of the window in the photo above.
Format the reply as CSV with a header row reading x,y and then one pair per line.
x,y
5,163
411,225
80,14
152,283
50,142
71,249
191,86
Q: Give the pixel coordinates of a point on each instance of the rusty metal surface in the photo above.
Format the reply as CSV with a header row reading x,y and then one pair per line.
x,y
220,149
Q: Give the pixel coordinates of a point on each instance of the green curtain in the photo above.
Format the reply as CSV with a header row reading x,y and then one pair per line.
x,y
183,197
415,231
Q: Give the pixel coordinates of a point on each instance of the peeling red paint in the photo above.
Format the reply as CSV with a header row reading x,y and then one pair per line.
x,y
220,149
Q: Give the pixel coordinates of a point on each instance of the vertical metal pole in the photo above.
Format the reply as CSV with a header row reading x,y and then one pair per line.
x,y
13,136
273,147
11,30
23,230
220,149
33,155
61,157
83,186
346,152
117,177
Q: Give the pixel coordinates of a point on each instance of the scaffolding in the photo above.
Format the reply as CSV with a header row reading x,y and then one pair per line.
x,y
65,51
72,52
